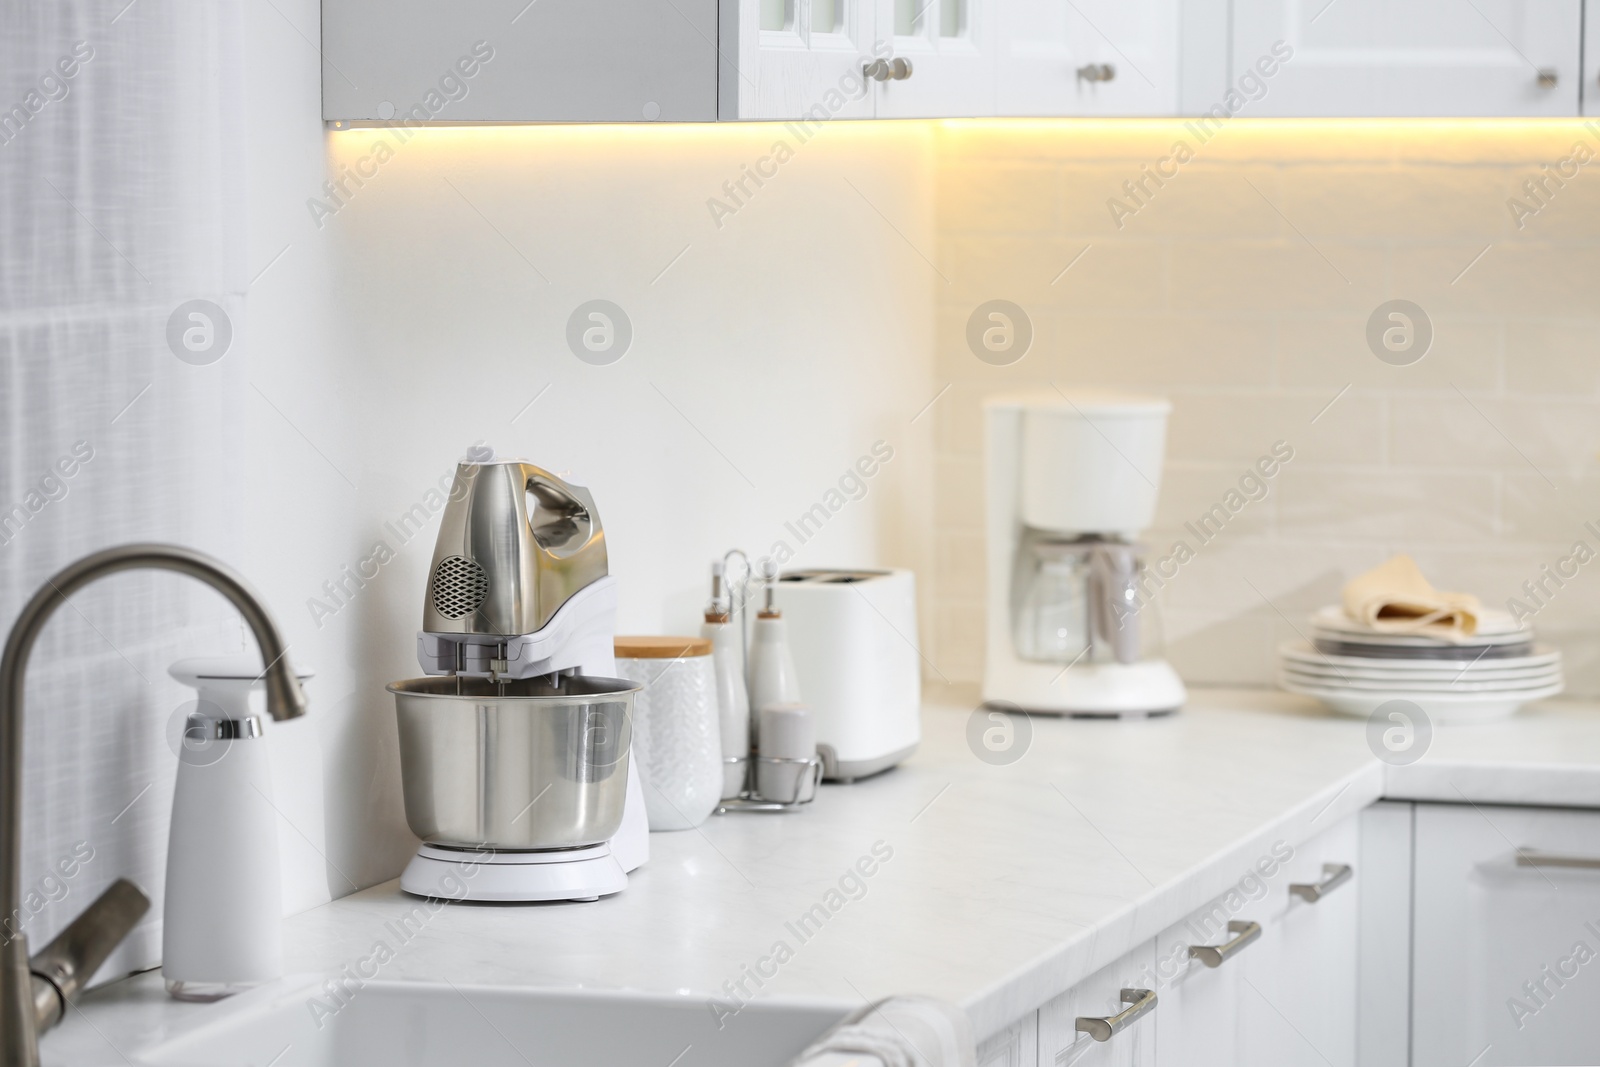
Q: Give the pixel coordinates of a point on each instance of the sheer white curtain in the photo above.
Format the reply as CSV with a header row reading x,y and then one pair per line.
x,y
120,200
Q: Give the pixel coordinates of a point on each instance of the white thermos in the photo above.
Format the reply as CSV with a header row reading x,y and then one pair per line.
x,y
222,928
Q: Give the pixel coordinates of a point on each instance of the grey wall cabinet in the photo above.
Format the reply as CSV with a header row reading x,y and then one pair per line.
x,y
514,61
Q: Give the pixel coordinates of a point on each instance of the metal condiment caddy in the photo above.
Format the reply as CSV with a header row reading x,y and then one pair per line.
x,y
805,784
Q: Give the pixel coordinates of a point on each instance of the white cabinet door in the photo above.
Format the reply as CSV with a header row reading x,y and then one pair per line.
x,y
795,59
1099,995
1298,985
1384,984
1198,1021
1015,1046
499,61
1088,57
951,48
1286,998
1419,57
1507,936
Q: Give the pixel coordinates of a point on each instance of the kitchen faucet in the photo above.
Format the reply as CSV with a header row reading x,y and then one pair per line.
x,y
34,994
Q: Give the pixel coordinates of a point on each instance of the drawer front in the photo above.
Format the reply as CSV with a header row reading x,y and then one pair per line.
x,y
1506,937
1015,1046
1283,987
1298,987
1062,1045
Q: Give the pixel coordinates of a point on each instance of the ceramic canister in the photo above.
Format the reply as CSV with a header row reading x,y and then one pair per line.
x,y
677,736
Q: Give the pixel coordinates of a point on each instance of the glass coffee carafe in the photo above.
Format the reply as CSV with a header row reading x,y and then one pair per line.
x,y
1082,599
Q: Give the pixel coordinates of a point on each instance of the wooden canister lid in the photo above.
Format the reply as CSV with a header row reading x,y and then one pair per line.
x,y
658,647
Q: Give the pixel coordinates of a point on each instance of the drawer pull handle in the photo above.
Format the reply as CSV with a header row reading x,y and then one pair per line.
x,y
1334,875
1140,1002
1532,857
1217,955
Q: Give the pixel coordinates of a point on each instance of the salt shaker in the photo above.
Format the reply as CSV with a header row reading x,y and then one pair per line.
x,y
788,737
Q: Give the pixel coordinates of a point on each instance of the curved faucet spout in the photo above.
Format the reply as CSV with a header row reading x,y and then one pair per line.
x,y
285,700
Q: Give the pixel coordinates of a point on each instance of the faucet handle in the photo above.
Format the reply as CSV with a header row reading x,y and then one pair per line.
x,y
65,965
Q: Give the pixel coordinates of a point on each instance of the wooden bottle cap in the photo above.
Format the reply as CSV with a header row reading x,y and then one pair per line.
x,y
658,647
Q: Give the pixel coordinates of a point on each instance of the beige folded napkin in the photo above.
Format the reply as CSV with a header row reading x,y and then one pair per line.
x,y
1396,598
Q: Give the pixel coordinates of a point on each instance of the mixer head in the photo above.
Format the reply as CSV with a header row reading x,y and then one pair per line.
x,y
516,546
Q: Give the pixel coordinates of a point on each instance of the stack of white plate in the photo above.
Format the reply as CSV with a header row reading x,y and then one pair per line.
x,y
1354,669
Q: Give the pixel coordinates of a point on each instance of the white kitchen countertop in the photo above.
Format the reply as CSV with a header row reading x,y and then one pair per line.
x,y
1006,885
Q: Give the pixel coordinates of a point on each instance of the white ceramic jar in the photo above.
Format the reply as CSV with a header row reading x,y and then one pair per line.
x,y
677,736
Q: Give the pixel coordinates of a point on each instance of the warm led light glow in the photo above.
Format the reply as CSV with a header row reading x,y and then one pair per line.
x,y
1276,140
656,143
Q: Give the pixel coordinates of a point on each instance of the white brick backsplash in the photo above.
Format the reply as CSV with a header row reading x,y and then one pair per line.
x,y
1242,291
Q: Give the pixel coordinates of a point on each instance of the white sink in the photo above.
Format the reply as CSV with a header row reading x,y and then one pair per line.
x,y
295,1023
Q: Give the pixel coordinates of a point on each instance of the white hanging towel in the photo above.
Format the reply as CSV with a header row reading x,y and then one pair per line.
x,y
897,1032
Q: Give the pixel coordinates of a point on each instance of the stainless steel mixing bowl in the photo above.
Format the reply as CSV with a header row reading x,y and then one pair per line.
x,y
514,765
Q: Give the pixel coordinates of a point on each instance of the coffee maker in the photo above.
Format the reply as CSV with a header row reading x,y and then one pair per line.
x,y
515,751
1071,481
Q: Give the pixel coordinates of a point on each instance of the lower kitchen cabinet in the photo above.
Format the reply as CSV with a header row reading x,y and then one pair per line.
x,y
1197,1017
1410,935
1015,1046
1506,949
1061,1044
1297,1004
1283,990
1384,983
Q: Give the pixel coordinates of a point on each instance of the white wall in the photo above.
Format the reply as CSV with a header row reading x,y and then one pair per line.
x,y
431,308
116,206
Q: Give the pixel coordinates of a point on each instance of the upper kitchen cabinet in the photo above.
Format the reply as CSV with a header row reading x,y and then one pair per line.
x,y
935,58
519,60
1414,58
419,61
1088,57
788,59
822,59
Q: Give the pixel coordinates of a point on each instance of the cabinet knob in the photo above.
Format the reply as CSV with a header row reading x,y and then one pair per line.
x,y
1549,77
1097,72
1334,875
1140,1002
1217,955
883,70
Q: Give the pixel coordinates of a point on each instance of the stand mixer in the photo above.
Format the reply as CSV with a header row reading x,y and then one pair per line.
x,y
515,751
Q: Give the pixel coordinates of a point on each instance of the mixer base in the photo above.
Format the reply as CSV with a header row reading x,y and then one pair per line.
x,y
513,877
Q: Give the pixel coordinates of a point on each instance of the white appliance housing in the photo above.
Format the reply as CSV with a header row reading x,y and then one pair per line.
x,y
566,874
1070,465
853,634
223,841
